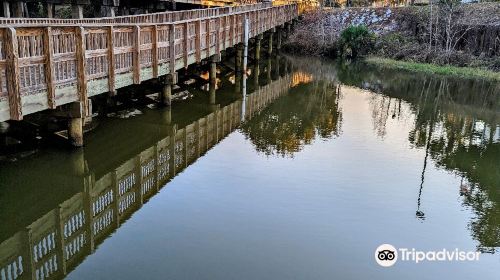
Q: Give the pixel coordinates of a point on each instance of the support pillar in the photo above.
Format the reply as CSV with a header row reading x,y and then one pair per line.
x,y
239,58
6,9
256,74
278,43
18,9
239,67
258,42
166,94
270,48
167,115
213,69
50,10
269,66
212,94
75,131
77,11
277,67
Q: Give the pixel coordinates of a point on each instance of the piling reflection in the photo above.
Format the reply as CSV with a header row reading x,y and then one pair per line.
x,y
455,121
108,184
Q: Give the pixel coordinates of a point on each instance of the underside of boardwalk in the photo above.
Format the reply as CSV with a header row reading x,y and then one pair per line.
x,y
46,63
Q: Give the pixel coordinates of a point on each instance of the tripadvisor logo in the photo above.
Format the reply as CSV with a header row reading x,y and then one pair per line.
x,y
387,255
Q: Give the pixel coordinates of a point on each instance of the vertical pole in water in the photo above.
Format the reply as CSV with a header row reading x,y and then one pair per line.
x,y
50,10
270,48
166,94
278,43
75,131
238,67
6,9
75,124
245,44
77,11
213,78
213,69
212,96
167,115
245,58
258,41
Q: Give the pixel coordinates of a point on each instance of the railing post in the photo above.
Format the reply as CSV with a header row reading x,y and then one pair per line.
x,y
217,38
14,89
208,38
137,55
198,40
155,51
171,40
49,70
186,44
111,62
80,60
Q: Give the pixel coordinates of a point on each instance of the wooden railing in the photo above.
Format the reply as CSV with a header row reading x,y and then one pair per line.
x,y
48,65
162,17
57,242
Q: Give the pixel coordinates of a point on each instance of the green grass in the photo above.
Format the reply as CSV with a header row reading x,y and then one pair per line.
x,y
463,72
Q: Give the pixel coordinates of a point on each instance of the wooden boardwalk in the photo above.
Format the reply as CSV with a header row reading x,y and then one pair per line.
x,y
46,63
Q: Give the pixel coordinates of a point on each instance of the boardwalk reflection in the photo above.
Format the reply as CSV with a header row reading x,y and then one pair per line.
x,y
55,243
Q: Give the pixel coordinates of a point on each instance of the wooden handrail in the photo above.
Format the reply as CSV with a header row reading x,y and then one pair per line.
x,y
161,17
46,66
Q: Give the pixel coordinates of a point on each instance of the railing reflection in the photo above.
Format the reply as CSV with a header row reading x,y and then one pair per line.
x,y
57,242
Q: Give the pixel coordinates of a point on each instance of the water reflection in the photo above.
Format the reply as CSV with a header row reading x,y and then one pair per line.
x,y
106,183
455,121
311,110
77,200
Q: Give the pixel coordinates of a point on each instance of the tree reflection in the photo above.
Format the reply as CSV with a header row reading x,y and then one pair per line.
x,y
310,111
456,122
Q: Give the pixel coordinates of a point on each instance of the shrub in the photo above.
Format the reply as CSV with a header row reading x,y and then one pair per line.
x,y
356,40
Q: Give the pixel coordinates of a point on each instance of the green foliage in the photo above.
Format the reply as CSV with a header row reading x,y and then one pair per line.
x,y
356,40
464,72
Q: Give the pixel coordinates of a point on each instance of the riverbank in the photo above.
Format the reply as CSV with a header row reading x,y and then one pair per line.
x,y
462,72
403,35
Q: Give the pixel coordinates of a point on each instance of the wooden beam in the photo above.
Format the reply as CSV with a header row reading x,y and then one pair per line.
x,y
155,51
14,88
111,61
137,55
49,70
80,64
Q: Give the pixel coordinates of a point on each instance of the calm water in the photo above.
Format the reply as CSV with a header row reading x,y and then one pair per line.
x,y
304,178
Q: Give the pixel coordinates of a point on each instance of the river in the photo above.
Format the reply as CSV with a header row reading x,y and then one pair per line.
x,y
303,178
